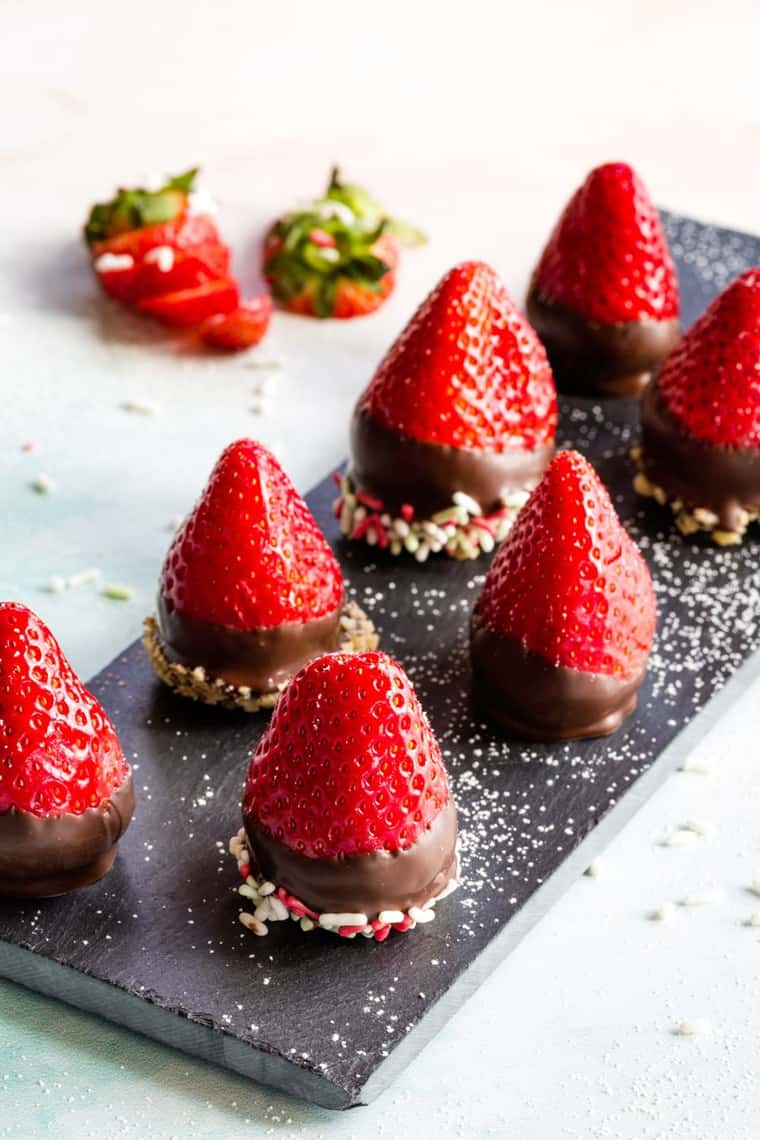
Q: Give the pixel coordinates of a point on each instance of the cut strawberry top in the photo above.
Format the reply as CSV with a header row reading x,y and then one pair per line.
x,y
468,371
711,380
569,582
250,555
59,753
607,258
349,764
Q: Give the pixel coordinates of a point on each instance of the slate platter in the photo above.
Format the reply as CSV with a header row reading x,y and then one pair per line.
x,y
157,946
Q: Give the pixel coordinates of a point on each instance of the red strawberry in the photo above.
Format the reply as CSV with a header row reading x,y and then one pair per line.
x,y
607,258
242,328
58,750
467,371
189,307
569,583
354,289
349,763
251,555
711,381
168,272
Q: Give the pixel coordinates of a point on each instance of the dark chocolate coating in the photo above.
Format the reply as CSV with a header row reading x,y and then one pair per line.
x,y
45,856
533,699
398,469
589,358
362,884
259,658
701,474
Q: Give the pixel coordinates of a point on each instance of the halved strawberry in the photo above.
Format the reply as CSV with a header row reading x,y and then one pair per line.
x,y
184,232
242,328
189,307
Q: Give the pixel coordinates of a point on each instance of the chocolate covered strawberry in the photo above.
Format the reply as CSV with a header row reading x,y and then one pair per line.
x,y
65,788
564,624
250,589
335,256
604,295
348,819
455,427
700,419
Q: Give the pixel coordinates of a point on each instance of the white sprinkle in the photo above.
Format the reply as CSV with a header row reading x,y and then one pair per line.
x,y
201,202
175,523
43,484
113,262
682,837
420,915
663,912
139,407
595,869
335,920
277,909
118,593
699,1027
56,584
391,916
162,256
466,501
251,923
753,920
702,898
83,578
697,767
267,888
306,923
755,887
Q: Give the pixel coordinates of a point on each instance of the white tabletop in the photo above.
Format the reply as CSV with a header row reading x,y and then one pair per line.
x,y
476,122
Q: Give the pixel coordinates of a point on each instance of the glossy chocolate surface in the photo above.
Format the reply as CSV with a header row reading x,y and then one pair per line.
x,y
593,359
362,884
260,658
532,699
44,856
398,469
725,480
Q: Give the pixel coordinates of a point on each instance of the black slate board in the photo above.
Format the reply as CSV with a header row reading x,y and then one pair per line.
x,y
157,946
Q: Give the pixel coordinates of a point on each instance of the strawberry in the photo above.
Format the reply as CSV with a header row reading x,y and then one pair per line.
x,y
58,750
336,256
711,381
468,371
250,555
569,583
243,328
349,763
188,307
607,258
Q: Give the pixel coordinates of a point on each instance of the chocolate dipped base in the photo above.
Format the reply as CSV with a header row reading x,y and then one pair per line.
x,y
45,856
589,358
699,475
247,669
363,884
532,699
399,470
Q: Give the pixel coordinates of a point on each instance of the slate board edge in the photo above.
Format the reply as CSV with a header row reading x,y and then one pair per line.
x,y
54,979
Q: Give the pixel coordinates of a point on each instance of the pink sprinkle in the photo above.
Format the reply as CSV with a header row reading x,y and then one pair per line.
x,y
28,446
347,931
368,501
484,524
382,932
405,923
321,238
337,479
245,870
338,508
407,512
361,528
382,535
